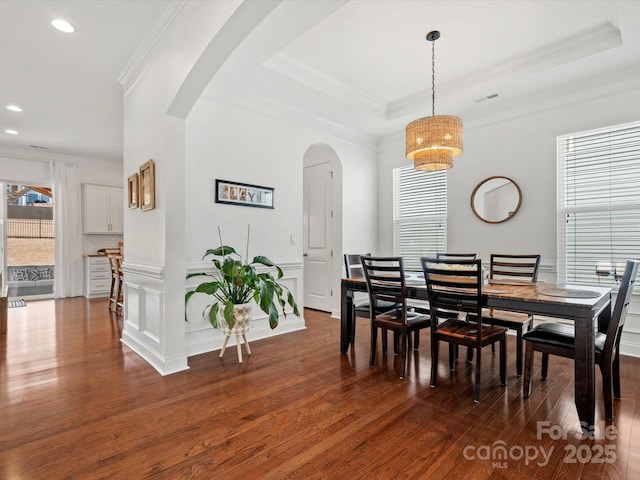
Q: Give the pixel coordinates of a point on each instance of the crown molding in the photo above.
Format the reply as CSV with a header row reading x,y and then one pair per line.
x,y
223,92
161,29
583,44
301,73
613,83
24,153
616,82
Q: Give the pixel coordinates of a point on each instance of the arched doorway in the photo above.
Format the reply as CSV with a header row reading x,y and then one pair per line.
x,y
322,225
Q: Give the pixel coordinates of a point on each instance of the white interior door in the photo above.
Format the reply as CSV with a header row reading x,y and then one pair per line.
x,y
318,234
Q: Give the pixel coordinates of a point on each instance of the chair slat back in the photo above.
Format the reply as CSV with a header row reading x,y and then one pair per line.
x,y
455,256
353,265
521,267
385,280
454,285
623,298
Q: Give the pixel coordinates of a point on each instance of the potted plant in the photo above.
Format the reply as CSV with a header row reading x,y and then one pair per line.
x,y
235,283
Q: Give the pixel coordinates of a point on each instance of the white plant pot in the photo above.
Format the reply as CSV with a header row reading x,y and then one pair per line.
x,y
242,315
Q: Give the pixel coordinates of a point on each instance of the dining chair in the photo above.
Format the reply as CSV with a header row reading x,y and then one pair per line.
x,y
558,339
457,256
510,268
386,283
361,308
456,285
423,307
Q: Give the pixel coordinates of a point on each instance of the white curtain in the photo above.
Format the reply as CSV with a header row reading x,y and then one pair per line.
x,y
68,229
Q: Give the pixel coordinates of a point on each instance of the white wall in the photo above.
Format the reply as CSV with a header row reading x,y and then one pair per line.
x,y
229,143
524,149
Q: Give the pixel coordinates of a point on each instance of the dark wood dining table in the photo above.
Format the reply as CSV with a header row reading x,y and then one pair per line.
x,y
584,305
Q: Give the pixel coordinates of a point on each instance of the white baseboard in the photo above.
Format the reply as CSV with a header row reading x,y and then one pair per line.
x,y
163,365
210,340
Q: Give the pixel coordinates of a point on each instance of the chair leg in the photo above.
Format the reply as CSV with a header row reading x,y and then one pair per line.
x,y
119,296
528,365
112,295
476,397
396,339
607,387
416,339
469,354
616,375
404,338
434,360
374,334
503,360
383,335
545,365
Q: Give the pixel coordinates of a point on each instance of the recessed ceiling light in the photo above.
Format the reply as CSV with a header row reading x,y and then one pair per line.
x,y
63,25
10,131
14,108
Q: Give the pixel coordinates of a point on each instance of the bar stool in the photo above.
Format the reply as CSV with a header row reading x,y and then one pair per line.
x,y
119,293
117,278
113,292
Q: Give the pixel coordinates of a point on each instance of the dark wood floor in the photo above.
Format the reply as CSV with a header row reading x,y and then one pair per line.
x,y
77,404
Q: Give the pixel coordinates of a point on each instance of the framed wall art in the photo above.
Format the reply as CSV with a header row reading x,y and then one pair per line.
x,y
147,186
234,193
133,191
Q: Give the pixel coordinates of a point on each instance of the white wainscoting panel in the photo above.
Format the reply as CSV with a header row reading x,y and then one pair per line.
x,y
144,320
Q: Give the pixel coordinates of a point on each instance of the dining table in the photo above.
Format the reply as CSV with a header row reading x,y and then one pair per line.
x,y
583,305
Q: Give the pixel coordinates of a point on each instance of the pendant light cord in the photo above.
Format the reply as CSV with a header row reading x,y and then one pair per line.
x,y
433,77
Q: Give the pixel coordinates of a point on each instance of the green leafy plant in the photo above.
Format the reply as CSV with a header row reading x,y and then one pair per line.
x,y
236,282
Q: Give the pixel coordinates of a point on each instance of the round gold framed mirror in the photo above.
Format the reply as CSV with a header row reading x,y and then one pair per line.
x,y
496,199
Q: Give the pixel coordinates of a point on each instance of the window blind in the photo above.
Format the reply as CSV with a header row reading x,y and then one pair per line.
x,y
419,214
598,203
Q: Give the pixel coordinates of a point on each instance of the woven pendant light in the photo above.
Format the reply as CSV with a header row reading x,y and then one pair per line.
x,y
433,141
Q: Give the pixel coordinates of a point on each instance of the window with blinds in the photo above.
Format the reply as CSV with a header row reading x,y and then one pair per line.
x,y
598,204
419,214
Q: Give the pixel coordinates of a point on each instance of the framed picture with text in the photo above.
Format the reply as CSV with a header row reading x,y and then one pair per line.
x,y
245,194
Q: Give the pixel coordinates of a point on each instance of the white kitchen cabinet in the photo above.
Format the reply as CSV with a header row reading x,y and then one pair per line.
x,y
103,209
97,276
